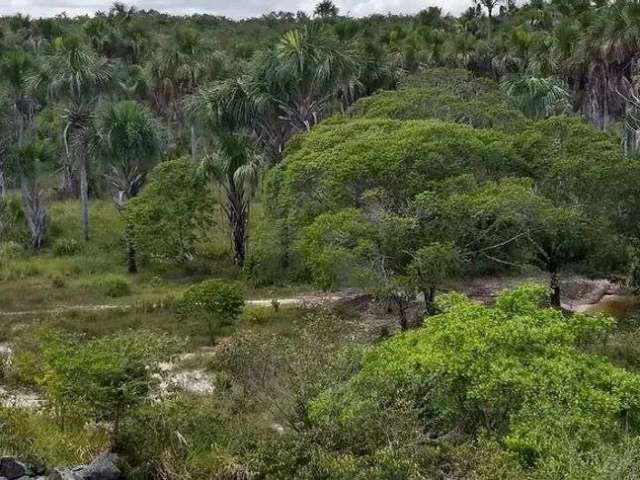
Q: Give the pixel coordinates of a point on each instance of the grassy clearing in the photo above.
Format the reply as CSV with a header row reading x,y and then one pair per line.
x,y
70,272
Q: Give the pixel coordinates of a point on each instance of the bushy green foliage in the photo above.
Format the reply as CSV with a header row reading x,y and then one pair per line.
x,y
38,439
335,246
12,226
448,95
339,164
102,378
216,302
64,247
113,286
514,369
167,217
10,251
377,165
571,162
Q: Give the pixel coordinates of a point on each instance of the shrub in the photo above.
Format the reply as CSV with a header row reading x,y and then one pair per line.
x,y
114,286
102,379
18,271
515,370
10,250
65,247
217,302
58,282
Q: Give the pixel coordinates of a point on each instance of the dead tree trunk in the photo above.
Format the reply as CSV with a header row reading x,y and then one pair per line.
x,y
35,215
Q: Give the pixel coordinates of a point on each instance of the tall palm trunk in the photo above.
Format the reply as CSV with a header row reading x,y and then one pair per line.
x,y
84,197
238,221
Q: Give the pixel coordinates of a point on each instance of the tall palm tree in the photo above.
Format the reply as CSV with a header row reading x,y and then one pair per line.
x,y
288,89
79,77
128,139
235,169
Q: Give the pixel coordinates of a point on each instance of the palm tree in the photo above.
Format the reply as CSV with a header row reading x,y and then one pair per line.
x,y
225,108
289,89
236,170
489,5
128,139
79,77
537,97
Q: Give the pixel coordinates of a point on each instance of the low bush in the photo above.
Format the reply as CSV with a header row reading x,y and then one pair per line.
x,y
10,250
218,303
113,286
66,247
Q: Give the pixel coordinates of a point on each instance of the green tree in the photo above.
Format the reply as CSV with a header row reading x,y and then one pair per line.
x,y
537,97
103,379
128,139
17,68
170,213
236,169
431,265
326,9
234,165
288,89
216,302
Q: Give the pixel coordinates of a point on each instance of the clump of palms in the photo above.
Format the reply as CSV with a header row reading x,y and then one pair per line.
x,y
287,89
78,77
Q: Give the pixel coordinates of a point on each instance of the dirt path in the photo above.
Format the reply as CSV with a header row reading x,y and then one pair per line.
x,y
262,302
578,294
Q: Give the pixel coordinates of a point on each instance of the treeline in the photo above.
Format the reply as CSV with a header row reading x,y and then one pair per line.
x,y
102,99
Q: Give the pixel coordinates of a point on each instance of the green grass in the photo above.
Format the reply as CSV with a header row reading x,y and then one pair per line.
x,y
70,271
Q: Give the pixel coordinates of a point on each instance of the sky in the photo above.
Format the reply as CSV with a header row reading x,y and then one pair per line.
x,y
228,8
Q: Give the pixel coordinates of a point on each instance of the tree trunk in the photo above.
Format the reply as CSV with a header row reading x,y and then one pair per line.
x,y
238,223
402,313
84,198
35,216
489,23
68,184
194,153
132,265
554,285
429,297
239,240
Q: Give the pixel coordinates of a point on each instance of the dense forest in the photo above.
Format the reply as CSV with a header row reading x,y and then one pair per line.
x,y
318,247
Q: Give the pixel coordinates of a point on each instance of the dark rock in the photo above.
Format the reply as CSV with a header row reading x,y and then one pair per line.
x,y
103,467
64,474
12,469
